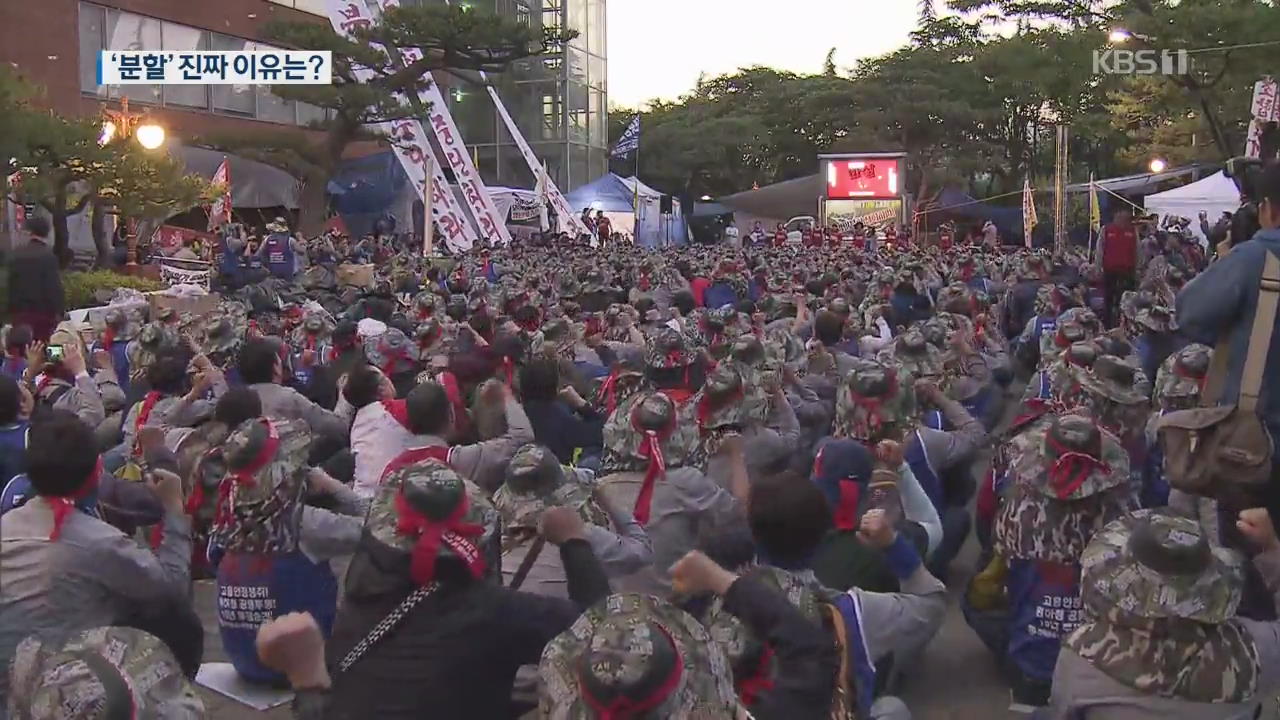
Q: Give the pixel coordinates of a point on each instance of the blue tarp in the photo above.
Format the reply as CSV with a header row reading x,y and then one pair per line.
x,y
365,188
614,194
956,203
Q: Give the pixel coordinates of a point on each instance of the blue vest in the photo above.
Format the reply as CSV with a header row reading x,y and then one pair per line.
x,y
1044,603
230,262
719,295
860,662
253,589
920,466
1042,326
279,255
1045,391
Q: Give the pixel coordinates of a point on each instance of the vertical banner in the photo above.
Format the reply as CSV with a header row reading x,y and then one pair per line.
x,y
410,143
492,226
1029,219
428,248
220,211
569,220
1263,110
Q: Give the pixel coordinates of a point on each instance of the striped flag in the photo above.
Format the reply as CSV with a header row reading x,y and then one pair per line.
x,y
1029,220
220,211
630,140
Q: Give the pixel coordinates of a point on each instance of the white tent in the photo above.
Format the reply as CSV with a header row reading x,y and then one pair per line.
x,y
1214,195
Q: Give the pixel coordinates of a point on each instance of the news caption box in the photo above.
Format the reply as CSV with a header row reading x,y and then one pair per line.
x,y
215,67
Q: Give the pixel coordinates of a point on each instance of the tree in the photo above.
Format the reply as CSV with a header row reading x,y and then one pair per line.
x,y
829,64
64,169
450,39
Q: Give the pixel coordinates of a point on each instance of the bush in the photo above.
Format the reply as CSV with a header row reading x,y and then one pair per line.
x,y
81,288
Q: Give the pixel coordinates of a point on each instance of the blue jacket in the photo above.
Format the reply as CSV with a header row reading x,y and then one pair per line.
x,y
1224,298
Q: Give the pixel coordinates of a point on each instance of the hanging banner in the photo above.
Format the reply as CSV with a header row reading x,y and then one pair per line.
x,y
453,147
569,220
409,141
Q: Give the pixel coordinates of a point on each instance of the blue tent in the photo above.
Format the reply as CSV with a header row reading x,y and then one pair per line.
x,y
616,196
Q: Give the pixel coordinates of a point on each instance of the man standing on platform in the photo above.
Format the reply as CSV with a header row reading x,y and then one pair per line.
x,y
35,282
1119,260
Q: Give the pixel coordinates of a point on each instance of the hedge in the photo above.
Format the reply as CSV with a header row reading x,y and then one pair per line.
x,y
81,288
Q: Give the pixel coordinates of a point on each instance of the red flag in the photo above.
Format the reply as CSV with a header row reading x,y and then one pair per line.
x,y
220,211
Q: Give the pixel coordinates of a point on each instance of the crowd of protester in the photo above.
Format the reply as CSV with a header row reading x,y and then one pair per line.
x,y
755,468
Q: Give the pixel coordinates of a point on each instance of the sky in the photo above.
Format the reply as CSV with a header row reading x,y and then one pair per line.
x,y
657,48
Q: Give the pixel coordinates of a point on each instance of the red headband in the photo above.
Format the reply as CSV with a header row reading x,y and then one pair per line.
x,y
624,708
1070,470
63,505
651,449
431,535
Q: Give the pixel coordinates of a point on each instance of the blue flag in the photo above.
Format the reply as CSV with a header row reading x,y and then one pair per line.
x,y
630,140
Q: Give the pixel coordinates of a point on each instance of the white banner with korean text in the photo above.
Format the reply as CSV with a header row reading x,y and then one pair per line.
x,y
492,226
411,145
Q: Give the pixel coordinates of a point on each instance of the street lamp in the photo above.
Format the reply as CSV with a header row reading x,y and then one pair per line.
x,y
1157,165
123,124
1118,36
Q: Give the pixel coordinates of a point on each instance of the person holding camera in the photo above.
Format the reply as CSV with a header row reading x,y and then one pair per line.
x,y
1221,303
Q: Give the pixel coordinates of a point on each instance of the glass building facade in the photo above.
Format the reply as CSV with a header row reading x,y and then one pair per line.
x,y
559,101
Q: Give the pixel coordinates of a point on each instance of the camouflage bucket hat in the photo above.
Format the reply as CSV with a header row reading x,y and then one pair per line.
x,y
870,399
266,464
105,672
1112,378
740,645
391,352
536,481
1182,375
1157,319
1050,513
624,433
221,336
1154,564
122,323
720,402
667,349
1133,302
425,498
635,650
425,304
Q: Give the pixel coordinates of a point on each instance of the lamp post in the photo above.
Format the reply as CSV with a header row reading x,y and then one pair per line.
x,y
124,124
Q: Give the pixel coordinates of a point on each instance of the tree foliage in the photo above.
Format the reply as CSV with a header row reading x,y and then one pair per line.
x,y
370,82
974,99
64,169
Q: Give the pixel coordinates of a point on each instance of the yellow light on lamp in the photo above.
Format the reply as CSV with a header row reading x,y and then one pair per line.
x,y
1157,165
150,136
1118,36
108,132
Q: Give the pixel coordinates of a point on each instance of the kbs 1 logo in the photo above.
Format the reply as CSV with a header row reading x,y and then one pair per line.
x,y
1118,61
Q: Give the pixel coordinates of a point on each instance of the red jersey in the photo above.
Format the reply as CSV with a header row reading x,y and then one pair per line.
x,y
1120,248
780,238
945,241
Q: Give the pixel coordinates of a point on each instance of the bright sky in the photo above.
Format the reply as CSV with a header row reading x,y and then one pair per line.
x,y
657,48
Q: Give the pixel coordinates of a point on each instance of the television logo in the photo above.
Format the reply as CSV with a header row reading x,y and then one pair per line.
x,y
1117,61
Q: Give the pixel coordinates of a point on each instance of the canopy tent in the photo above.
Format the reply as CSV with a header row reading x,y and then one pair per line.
x,y
779,202
367,188
1214,195
253,184
616,196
